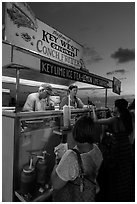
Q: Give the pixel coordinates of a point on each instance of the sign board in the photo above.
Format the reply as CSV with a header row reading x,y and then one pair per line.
x,y
72,74
24,30
116,86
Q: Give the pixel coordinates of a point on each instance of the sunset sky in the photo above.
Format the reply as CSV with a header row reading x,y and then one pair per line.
x,y
105,29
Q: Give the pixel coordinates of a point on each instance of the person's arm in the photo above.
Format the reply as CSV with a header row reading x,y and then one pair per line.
x,y
51,106
103,121
80,103
29,104
65,170
63,102
57,182
94,114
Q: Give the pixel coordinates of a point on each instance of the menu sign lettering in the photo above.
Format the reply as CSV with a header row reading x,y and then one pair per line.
x,y
72,74
24,30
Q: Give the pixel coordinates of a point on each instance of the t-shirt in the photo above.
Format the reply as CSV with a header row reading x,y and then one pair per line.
x,y
33,103
68,168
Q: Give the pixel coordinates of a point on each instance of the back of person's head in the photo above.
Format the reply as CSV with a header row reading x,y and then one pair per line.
x,y
125,115
121,104
83,131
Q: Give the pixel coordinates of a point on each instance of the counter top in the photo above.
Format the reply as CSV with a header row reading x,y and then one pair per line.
x,y
47,113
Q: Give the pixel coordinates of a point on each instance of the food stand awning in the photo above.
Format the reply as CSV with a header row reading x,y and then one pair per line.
x,y
36,52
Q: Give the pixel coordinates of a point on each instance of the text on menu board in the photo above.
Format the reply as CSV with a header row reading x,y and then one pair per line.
x,y
63,72
24,30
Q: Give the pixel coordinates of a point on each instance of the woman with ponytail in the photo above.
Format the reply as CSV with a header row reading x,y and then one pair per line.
x,y
120,173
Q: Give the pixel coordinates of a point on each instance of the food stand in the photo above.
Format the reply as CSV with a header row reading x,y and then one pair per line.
x,y
33,50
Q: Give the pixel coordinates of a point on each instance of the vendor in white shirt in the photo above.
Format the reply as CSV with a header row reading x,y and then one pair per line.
x,y
40,101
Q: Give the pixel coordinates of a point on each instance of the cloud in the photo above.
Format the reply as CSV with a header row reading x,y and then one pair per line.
x,y
119,71
124,55
90,55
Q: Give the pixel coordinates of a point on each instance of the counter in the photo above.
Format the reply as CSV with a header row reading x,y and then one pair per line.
x,y
29,133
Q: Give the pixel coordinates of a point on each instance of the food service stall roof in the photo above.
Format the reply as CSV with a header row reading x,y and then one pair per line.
x,y
23,67
29,65
37,52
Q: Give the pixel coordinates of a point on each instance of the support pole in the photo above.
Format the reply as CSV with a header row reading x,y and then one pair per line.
x,y
106,97
17,90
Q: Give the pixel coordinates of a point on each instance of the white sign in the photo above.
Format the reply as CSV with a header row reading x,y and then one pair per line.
x,y
24,30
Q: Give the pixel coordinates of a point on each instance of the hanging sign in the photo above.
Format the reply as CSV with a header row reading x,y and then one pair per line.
x,y
24,30
72,74
116,86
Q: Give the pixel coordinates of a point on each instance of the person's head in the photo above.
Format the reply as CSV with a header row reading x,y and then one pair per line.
x,y
45,90
83,131
121,106
73,90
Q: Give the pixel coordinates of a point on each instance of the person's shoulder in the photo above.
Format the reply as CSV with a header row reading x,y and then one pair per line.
x,y
68,158
95,152
69,152
79,99
33,95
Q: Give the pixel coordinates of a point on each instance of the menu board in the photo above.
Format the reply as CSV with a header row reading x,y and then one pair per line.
x,y
116,85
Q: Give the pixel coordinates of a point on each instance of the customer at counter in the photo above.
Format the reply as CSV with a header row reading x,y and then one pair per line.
x,y
74,100
74,177
40,101
118,184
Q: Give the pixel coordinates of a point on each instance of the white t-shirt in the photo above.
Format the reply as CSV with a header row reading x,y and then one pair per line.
x,y
33,103
68,168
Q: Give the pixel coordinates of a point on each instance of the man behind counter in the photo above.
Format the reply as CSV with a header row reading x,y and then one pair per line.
x,y
74,100
40,101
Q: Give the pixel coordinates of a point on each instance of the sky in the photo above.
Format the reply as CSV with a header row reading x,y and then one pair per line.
x,y
105,29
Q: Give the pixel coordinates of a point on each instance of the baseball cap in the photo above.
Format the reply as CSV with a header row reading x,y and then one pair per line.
x,y
47,87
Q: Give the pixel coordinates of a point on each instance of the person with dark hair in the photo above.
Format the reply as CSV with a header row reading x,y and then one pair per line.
x,y
74,177
119,167
132,105
131,109
40,100
74,100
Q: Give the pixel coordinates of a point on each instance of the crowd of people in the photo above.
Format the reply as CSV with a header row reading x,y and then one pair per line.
x,y
108,168
102,172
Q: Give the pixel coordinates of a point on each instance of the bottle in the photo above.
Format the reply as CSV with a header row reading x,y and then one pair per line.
x,y
41,167
28,177
66,115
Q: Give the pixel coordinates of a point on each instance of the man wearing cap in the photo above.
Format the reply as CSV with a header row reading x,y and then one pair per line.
x,y
40,101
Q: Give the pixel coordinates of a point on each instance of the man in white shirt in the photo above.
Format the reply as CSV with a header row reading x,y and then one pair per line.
x,y
40,100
